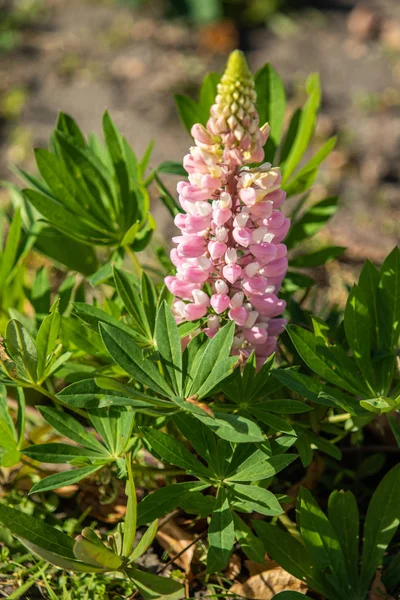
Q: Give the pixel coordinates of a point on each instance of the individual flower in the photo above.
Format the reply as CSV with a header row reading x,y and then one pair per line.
x,y
230,260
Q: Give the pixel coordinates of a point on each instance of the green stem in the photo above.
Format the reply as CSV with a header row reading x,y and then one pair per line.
x,y
53,398
156,470
337,418
134,260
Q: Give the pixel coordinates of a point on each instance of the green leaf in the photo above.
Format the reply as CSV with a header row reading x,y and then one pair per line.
x,y
115,149
395,427
311,221
48,542
389,302
305,128
315,259
284,407
218,349
381,523
149,299
66,251
221,534
7,436
233,428
188,111
249,543
64,478
322,360
203,440
152,587
132,301
68,125
320,539
145,541
58,453
71,428
172,167
93,316
344,517
96,555
131,512
289,596
169,346
165,499
271,105
130,358
356,324
305,177
46,339
256,468
257,499
10,253
60,183
272,421
208,93
174,452
290,555
63,219
22,350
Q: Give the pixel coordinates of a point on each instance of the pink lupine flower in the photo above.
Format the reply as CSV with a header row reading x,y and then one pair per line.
x,y
232,229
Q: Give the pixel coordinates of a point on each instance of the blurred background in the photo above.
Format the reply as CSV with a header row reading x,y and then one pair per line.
x,y
81,56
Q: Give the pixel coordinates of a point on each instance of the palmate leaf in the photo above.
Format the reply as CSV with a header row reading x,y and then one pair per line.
x,y
47,542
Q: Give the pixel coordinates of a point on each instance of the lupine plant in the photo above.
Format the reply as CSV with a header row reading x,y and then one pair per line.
x,y
210,378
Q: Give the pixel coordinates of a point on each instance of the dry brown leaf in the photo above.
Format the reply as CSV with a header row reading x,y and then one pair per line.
x,y
174,539
378,590
267,584
255,568
234,567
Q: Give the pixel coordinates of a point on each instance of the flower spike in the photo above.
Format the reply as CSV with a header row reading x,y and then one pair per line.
x,y
231,228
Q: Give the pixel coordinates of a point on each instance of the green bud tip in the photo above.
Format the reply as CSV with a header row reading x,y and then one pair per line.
x,y
237,68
